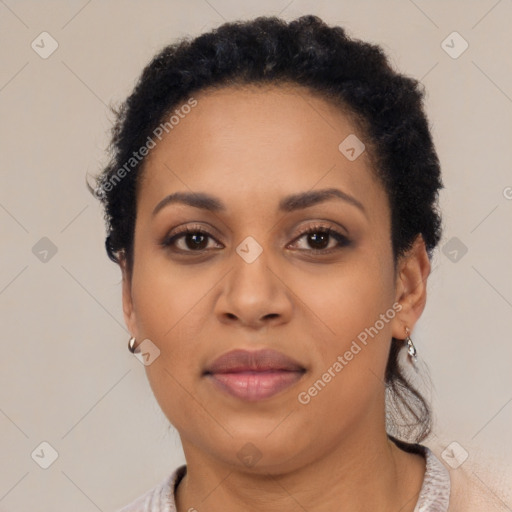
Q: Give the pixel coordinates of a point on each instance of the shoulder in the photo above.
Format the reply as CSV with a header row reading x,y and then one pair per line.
x,y
477,484
476,492
159,498
457,480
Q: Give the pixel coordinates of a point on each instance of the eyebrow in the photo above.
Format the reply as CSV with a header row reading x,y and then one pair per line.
x,y
287,204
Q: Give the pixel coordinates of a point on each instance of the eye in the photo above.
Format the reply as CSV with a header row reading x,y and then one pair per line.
x,y
319,237
195,239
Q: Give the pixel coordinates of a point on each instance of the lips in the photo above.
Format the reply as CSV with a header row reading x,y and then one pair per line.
x,y
256,361
254,375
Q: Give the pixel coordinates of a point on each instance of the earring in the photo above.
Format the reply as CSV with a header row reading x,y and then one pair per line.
x,y
131,345
411,349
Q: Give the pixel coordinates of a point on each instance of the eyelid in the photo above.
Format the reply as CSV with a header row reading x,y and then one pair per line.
x,y
324,225
180,232
342,239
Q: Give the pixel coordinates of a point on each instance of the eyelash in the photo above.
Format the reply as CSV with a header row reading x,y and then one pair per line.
x,y
342,240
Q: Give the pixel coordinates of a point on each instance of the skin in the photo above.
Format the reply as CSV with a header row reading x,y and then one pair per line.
x,y
250,147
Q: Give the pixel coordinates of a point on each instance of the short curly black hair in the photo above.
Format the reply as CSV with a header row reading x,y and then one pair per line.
x,y
353,75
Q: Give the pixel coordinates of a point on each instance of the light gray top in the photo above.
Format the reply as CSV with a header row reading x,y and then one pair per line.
x,y
434,495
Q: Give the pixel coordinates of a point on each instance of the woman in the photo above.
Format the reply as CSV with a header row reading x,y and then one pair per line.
x,y
272,203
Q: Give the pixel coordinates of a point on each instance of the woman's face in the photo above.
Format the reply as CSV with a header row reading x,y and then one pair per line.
x,y
256,281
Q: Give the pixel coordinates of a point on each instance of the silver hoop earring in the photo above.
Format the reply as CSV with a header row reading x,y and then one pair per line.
x,y
131,345
411,349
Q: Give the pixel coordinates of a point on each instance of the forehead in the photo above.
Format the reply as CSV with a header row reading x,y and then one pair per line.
x,y
252,143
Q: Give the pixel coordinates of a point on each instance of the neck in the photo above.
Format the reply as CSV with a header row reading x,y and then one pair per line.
x,y
361,474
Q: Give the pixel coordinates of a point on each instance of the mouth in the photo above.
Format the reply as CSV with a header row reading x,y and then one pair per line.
x,y
253,376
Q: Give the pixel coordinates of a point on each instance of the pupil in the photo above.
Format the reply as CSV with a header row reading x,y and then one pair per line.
x,y
314,237
195,237
317,239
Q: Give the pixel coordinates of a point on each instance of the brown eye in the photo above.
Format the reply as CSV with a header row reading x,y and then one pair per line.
x,y
194,240
319,237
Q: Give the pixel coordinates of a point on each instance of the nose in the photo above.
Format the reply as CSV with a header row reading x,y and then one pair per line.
x,y
255,295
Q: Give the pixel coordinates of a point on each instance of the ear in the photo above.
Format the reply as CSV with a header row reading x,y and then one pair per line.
x,y
128,308
411,287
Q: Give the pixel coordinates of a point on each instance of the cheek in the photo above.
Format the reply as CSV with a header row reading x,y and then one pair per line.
x,y
347,381
335,305
350,297
166,301
173,303
165,294
353,308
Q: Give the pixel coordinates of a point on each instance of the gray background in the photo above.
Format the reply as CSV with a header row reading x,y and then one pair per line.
x,y
66,375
